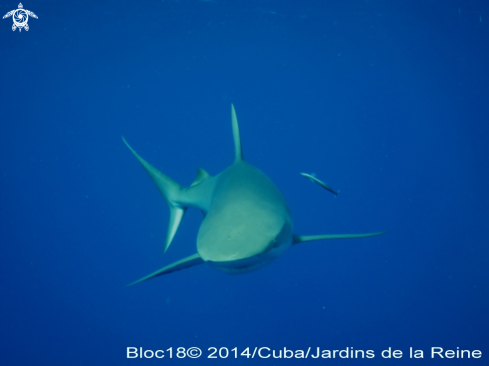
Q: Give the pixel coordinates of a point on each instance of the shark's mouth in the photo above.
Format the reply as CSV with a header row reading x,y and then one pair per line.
x,y
247,264
243,265
275,248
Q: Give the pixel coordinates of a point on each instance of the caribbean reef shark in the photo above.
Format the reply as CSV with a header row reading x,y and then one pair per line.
x,y
247,223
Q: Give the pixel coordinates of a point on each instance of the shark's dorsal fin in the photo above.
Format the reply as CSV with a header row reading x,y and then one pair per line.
x,y
170,190
238,153
301,238
201,175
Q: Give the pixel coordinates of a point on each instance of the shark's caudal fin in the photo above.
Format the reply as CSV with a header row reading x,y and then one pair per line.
x,y
238,153
300,238
190,261
170,190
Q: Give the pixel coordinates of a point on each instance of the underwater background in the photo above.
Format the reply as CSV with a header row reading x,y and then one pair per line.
x,y
386,101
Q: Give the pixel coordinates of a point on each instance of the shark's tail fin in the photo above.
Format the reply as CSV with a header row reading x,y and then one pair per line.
x,y
238,153
170,190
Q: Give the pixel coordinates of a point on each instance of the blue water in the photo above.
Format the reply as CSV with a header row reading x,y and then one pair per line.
x,y
386,101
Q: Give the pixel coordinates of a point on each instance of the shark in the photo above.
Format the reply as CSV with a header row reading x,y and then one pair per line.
x,y
247,223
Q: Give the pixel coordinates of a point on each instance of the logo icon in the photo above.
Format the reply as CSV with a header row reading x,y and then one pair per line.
x,y
20,16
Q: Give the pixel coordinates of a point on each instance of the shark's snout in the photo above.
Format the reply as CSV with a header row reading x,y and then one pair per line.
x,y
247,252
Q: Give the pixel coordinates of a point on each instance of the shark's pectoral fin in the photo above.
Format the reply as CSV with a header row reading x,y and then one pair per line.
x,y
301,238
171,192
187,262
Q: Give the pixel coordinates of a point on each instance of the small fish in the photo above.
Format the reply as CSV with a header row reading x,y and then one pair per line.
x,y
312,178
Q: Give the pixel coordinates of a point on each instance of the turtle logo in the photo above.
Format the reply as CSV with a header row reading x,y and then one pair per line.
x,y
20,16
